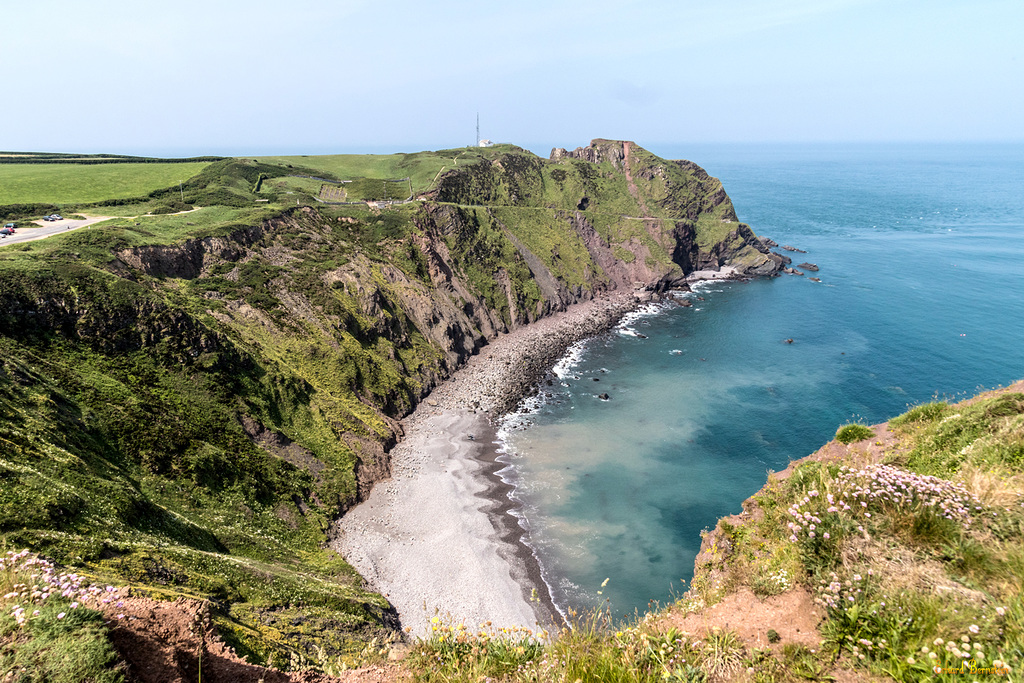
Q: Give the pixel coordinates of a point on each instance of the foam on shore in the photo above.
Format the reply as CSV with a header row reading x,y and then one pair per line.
x,y
438,537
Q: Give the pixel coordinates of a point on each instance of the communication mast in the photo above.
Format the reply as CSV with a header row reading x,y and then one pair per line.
x,y
476,141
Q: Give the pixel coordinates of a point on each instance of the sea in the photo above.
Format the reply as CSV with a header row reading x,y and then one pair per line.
x,y
921,256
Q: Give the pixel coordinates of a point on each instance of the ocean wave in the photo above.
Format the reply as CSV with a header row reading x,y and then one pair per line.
x,y
573,355
646,311
707,286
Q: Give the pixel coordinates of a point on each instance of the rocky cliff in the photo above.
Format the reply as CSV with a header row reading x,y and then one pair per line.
x,y
207,405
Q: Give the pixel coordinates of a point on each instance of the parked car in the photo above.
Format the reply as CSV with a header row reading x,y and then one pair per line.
x,y
12,226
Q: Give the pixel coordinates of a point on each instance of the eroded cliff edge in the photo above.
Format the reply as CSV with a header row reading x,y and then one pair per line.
x,y
208,405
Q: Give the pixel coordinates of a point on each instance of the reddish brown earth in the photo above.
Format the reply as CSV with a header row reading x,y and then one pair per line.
x,y
161,642
793,615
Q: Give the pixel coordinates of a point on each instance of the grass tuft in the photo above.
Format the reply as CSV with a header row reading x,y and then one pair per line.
x,y
850,433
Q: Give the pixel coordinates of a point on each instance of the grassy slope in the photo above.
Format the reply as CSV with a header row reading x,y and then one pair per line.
x,y
420,167
76,183
901,575
133,462
134,465
122,392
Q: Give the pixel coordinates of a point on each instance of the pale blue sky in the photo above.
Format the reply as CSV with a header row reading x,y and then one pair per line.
x,y
252,76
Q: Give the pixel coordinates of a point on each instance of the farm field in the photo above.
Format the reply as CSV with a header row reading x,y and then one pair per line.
x,y
84,183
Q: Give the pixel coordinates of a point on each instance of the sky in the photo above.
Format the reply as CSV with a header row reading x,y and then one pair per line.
x,y
258,77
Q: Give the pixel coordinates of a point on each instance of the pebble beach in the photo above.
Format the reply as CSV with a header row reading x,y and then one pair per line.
x,y
436,538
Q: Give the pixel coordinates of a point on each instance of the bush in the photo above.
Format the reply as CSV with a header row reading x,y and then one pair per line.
x,y
853,432
171,207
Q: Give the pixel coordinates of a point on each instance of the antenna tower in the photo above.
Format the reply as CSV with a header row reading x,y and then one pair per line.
x,y
476,143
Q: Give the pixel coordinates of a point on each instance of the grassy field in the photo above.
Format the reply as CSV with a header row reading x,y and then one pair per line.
x,y
97,240
421,167
78,183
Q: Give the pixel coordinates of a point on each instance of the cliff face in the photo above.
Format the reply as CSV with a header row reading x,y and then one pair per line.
x,y
641,217
212,393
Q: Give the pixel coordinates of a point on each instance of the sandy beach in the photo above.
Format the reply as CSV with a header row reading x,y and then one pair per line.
x,y
437,538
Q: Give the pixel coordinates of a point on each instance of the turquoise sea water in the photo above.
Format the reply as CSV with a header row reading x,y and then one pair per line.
x,y
921,251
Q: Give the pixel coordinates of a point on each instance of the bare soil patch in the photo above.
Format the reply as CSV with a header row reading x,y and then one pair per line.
x,y
793,615
176,642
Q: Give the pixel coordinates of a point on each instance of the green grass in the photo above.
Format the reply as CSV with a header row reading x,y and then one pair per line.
x,y
80,184
122,448
421,167
72,649
96,242
592,650
50,639
849,433
562,251
286,185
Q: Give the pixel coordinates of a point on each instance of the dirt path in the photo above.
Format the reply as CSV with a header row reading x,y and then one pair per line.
x,y
629,180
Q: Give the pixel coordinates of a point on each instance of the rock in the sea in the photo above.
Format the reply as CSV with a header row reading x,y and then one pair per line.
x,y
792,271
814,279
808,266
789,248
604,397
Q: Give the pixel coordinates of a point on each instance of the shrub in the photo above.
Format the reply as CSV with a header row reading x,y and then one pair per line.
x,y
171,207
769,583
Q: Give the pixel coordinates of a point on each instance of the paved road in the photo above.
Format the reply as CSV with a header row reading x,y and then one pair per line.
x,y
26,232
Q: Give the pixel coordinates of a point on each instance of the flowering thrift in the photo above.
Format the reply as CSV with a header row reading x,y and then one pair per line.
x,y
43,582
858,492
